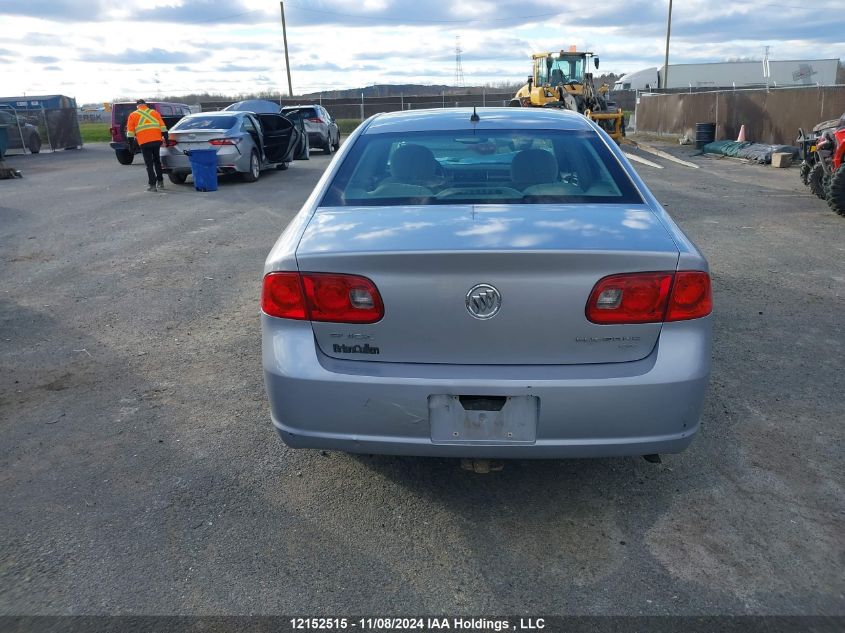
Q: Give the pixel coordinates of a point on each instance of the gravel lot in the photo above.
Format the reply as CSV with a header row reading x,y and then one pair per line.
x,y
140,474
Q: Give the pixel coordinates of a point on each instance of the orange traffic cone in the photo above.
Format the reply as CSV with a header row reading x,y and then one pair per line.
x,y
741,137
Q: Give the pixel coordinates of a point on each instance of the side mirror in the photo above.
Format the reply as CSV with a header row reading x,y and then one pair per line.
x,y
596,62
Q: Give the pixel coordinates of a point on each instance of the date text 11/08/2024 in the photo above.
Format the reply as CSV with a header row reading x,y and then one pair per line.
x,y
417,624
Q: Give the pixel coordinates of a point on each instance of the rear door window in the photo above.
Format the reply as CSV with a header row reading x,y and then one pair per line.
x,y
524,166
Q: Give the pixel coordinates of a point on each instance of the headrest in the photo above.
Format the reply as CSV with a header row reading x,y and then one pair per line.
x,y
534,167
413,164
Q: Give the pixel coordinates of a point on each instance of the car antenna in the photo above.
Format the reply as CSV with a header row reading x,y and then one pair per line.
x,y
474,118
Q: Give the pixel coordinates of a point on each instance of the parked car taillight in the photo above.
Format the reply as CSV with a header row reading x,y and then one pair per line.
x,y
692,297
171,143
224,141
114,130
330,297
315,119
650,298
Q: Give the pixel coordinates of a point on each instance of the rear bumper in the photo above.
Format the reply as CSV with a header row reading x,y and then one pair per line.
x,y
316,139
637,408
228,160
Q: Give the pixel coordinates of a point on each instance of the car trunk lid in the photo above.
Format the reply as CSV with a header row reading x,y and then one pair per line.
x,y
543,259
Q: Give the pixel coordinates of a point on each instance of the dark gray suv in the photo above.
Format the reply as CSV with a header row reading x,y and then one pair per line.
x,y
321,127
21,134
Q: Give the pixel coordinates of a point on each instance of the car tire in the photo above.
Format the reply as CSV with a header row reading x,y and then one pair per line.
x,y
836,191
816,180
178,177
124,156
328,148
34,143
337,142
254,168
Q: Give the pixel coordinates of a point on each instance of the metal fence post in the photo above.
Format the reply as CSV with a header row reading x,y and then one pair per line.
x,y
47,127
362,106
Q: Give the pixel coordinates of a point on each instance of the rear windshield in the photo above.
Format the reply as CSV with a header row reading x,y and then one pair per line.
x,y
481,167
121,112
295,114
207,123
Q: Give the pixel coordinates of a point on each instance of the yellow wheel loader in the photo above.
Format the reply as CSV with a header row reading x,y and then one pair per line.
x,y
563,80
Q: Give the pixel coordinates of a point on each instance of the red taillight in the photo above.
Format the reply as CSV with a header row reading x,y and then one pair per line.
x,y
113,131
691,298
223,141
321,297
315,119
650,298
281,296
171,143
630,298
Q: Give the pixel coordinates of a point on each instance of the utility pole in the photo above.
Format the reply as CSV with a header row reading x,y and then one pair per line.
x,y
666,61
285,37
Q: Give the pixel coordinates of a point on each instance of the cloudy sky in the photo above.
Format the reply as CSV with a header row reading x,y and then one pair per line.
x,y
97,50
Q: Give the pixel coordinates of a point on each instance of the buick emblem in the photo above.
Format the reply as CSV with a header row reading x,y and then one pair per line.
x,y
483,301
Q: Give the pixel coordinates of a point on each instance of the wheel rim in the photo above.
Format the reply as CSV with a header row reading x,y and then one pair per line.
x,y
253,164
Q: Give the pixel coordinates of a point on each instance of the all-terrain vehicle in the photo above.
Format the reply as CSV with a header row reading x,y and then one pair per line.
x,y
823,164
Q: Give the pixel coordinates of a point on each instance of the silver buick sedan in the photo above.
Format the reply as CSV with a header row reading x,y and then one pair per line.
x,y
487,284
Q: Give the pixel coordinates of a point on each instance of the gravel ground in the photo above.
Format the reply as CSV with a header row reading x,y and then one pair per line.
x,y
140,474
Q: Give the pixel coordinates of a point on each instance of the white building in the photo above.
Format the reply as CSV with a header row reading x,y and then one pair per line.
x,y
798,72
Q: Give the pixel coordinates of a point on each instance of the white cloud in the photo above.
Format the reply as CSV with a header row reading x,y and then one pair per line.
x,y
235,47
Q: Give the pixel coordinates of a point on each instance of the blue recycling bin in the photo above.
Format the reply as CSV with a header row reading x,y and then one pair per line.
x,y
204,168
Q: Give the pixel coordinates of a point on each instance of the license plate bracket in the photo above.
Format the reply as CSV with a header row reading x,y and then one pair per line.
x,y
457,419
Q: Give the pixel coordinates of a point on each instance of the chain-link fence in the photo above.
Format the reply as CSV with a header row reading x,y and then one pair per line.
x,y
25,130
42,121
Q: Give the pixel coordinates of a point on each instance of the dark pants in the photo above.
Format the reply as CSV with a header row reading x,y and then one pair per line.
x,y
152,161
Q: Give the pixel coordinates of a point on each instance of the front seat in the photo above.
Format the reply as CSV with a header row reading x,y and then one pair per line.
x,y
536,173
413,170
533,167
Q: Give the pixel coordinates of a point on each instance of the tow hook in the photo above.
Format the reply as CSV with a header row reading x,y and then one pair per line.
x,y
481,466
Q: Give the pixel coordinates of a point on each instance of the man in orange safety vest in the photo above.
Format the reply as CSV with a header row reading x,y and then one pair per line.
x,y
146,126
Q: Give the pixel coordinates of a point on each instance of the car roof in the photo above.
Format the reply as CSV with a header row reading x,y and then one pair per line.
x,y
216,113
489,119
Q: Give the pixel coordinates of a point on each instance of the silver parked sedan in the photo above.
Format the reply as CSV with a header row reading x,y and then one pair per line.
x,y
499,284
245,142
